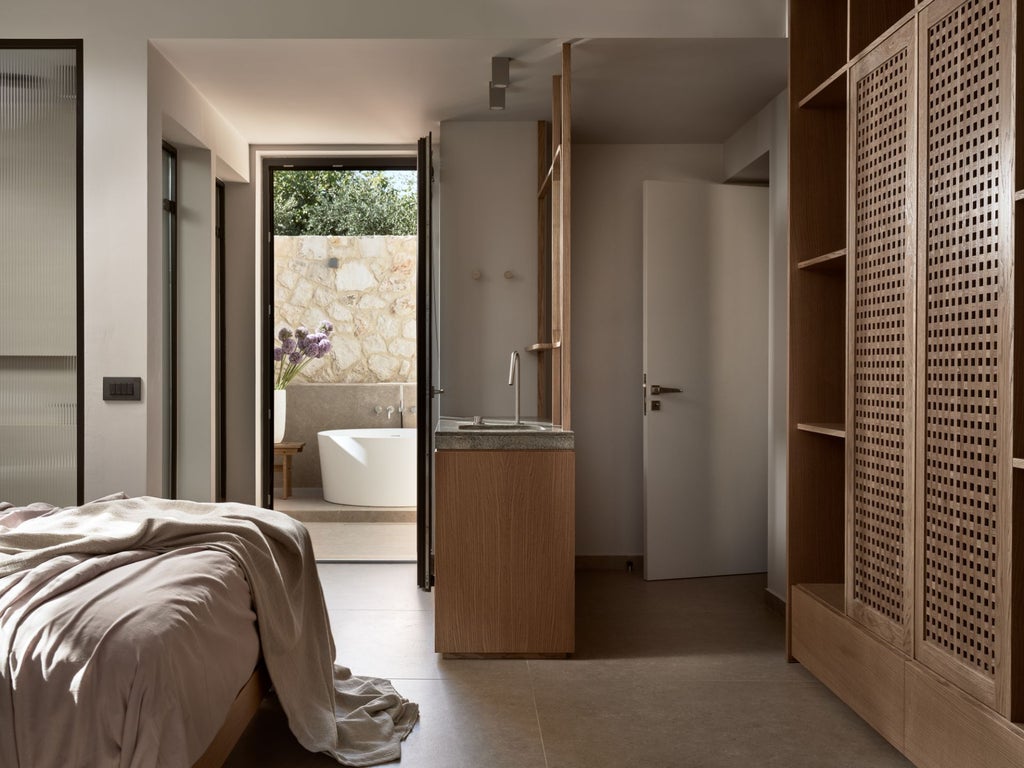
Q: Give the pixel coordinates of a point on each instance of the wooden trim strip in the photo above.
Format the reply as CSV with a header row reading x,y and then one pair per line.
x,y
242,710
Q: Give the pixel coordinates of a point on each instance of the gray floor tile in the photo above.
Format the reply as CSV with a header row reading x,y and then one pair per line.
x,y
401,644
679,674
480,723
613,724
463,724
373,587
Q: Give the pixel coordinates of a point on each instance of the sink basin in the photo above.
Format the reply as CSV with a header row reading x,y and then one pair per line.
x,y
493,426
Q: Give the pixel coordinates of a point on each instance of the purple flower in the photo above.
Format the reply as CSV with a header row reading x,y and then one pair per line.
x,y
297,348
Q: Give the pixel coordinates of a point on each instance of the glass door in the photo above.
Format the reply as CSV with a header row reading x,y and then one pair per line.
x,y
40,272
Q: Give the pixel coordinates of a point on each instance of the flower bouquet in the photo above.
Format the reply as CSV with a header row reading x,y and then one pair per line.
x,y
297,349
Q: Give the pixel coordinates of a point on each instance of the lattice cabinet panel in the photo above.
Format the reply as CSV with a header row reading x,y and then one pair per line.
x,y
880,396
965,392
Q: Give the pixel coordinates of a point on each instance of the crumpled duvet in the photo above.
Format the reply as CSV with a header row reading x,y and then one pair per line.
x,y
51,553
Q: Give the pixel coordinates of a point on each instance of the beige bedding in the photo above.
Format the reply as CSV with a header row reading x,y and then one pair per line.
x,y
114,703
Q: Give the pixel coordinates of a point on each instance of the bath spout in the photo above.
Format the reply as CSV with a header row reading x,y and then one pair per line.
x,y
391,410
513,380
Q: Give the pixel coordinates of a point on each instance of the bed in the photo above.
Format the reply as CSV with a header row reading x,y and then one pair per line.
x,y
139,630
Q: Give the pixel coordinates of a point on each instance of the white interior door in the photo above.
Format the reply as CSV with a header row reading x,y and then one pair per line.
x,y
706,333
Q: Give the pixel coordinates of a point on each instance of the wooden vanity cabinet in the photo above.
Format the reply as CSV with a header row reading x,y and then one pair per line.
x,y
504,552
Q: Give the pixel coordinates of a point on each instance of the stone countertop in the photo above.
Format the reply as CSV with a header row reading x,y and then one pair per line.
x,y
448,437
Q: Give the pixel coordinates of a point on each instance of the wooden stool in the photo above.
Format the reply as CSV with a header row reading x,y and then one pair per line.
x,y
286,451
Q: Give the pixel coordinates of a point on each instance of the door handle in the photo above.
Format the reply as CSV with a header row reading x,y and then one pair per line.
x,y
435,391
657,389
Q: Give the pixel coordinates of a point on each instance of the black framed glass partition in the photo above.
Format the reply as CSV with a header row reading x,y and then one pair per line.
x,y
169,187
41,342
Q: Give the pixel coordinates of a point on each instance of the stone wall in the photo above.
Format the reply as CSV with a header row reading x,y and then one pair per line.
x,y
366,287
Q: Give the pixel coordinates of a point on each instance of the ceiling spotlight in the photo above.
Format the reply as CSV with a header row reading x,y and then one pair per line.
x,y
499,71
497,96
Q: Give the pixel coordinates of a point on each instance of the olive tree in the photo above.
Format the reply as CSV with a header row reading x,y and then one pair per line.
x,y
334,202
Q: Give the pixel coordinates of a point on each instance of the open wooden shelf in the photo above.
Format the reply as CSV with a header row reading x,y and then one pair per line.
x,y
543,346
1019,195
1018,463
828,262
833,595
827,428
829,95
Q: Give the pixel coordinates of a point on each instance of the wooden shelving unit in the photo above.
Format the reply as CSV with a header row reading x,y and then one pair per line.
x,y
893,600
817,318
832,262
820,428
830,94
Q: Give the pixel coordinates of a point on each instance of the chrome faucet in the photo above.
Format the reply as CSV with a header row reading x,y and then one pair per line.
x,y
513,380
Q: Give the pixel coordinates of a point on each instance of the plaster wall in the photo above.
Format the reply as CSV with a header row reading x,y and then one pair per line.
x,y
607,322
767,133
488,228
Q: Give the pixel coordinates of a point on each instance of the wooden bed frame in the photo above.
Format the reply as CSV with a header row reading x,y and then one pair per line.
x,y
242,710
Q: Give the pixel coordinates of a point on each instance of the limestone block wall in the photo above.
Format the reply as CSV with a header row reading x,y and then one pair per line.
x,y
366,287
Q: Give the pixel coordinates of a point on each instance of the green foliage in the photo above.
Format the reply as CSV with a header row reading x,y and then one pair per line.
x,y
344,203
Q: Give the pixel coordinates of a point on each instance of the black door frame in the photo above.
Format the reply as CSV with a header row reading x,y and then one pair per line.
x,y
76,45
270,164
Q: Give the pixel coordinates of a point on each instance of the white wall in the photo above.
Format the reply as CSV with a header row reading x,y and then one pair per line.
x,y
767,132
116,233
242,478
488,188
196,464
208,148
607,322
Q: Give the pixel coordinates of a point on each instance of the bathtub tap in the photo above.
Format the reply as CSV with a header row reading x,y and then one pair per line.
x,y
390,409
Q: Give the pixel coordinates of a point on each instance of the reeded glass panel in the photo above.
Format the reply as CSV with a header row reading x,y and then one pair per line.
x,y
38,276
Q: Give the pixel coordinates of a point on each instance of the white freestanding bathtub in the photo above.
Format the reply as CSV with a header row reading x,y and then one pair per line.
x,y
369,467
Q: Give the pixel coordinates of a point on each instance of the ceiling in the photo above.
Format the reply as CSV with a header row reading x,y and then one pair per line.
x,y
348,91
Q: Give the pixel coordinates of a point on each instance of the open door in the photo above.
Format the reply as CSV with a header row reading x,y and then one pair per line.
x,y
425,389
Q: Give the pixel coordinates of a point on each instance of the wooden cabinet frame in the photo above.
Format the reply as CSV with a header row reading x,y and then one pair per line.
x,y
554,283
949,669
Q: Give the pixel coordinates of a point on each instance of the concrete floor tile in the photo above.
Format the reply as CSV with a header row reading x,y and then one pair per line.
x,y
463,724
706,725
373,586
481,723
400,644
679,674
373,542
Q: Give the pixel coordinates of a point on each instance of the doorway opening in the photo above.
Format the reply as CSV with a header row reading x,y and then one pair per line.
x,y
342,379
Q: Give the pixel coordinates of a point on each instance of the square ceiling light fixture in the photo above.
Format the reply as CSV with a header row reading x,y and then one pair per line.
x,y
499,81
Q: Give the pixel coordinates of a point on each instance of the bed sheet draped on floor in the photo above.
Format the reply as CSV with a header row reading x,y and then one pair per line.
x,y
357,720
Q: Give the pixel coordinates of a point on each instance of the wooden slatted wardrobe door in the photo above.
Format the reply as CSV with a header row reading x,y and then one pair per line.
x,y
965,342
880,371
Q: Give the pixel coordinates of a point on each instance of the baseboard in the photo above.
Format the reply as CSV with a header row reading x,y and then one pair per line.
x,y
634,563
775,602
